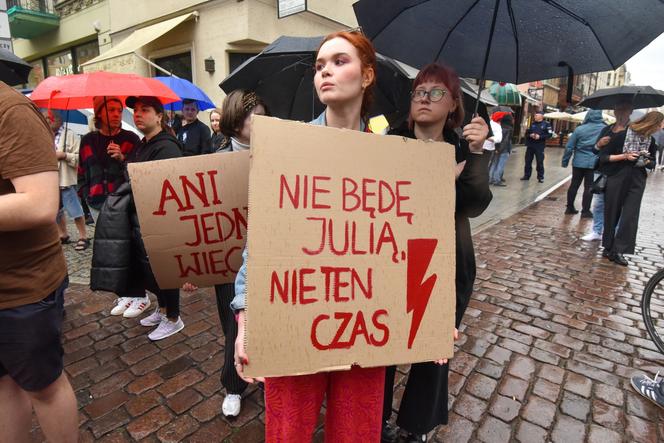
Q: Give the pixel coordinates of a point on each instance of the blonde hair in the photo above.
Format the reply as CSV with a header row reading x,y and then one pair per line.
x,y
648,124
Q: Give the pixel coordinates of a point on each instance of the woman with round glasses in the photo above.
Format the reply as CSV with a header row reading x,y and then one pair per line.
x,y
436,113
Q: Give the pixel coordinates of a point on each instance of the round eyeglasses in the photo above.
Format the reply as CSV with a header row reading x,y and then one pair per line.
x,y
435,95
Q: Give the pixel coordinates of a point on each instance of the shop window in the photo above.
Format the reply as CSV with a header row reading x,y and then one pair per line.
x,y
179,64
85,53
37,74
235,59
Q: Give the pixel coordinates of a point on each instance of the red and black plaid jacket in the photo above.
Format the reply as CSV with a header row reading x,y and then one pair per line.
x,y
98,173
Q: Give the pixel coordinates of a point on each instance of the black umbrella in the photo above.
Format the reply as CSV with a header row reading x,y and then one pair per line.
x,y
640,97
513,41
282,74
13,70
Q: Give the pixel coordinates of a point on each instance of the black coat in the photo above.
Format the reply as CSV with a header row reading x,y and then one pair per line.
x,y
424,401
119,259
615,147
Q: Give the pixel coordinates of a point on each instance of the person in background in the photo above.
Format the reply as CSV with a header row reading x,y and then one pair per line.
x,y
492,144
194,135
581,144
503,152
218,138
240,106
33,278
173,120
436,113
536,136
659,139
66,151
101,171
625,160
622,112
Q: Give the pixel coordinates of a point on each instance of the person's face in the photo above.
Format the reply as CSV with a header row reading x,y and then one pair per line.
x,y
189,112
214,121
425,111
339,78
146,118
539,117
623,111
245,132
114,115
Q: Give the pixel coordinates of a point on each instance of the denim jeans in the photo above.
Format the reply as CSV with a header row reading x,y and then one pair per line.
x,y
498,167
598,211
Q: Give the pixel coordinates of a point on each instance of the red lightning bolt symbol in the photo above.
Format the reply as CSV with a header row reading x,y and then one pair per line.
x,y
420,252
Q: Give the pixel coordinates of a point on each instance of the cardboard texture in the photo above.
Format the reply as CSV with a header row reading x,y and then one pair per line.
x,y
351,250
193,216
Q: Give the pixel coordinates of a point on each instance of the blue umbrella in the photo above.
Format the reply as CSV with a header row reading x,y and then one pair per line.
x,y
186,91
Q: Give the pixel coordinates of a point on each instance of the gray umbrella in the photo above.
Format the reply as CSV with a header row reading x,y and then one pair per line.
x,y
640,97
13,70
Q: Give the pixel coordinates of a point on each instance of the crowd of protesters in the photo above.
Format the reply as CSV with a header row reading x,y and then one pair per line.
x,y
44,162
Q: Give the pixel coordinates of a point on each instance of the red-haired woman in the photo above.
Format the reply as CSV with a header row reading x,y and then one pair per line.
x,y
436,113
345,75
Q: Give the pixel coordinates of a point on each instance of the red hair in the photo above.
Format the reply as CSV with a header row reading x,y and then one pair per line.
x,y
442,74
367,55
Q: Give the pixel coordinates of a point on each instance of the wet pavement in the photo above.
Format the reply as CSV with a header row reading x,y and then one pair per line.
x,y
550,339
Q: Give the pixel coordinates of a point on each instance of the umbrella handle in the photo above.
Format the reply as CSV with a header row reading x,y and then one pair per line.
x,y
486,58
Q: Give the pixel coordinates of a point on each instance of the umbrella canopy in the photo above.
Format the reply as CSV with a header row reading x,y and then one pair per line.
x,y
506,94
186,90
282,74
564,116
13,70
640,97
579,117
512,41
78,90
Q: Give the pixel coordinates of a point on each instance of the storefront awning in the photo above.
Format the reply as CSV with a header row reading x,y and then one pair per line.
x,y
140,38
529,99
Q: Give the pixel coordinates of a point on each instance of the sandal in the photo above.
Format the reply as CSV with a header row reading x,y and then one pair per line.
x,y
65,240
82,244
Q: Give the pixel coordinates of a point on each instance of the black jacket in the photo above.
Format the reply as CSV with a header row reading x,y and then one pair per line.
x,y
472,198
543,129
119,260
615,147
196,138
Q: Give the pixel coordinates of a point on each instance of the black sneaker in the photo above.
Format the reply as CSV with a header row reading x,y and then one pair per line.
x,y
650,389
571,211
89,220
586,214
540,180
619,259
524,178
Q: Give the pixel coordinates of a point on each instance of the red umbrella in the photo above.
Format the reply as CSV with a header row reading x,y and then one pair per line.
x,y
77,91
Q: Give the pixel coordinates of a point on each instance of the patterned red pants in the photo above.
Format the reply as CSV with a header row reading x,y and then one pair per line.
x,y
354,406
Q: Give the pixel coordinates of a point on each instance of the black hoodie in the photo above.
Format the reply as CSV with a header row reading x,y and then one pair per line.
x,y
160,147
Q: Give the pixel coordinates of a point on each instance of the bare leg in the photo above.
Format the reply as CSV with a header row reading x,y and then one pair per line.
x,y
56,411
62,225
15,412
80,225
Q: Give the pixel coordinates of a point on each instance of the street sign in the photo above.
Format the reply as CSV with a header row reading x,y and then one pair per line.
x,y
4,26
290,7
6,43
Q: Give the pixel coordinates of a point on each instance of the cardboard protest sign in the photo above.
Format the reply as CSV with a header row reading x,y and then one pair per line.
x,y
193,216
351,250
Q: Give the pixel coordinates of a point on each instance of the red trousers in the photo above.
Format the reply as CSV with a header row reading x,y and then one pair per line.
x,y
354,406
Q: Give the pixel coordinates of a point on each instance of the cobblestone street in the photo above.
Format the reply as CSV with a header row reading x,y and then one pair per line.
x,y
547,348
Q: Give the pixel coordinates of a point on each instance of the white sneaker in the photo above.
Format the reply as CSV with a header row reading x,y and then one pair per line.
x,y
166,328
231,405
138,305
153,319
121,305
593,236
